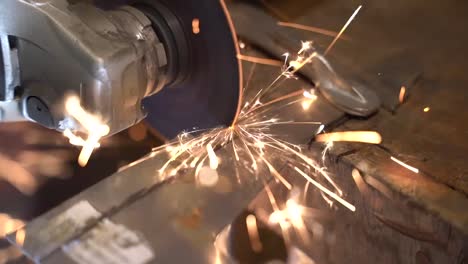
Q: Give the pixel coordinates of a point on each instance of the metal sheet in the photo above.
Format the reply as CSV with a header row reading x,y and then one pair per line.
x,y
181,220
110,193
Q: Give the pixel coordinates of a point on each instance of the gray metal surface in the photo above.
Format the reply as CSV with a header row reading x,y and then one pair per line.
x,y
10,71
178,209
183,217
110,59
108,194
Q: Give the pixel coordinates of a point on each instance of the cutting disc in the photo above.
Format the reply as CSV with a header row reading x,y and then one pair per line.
x,y
209,93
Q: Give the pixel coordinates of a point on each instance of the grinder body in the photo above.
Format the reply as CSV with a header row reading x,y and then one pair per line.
x,y
113,56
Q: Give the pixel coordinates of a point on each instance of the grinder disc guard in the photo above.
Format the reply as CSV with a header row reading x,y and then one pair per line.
x,y
209,94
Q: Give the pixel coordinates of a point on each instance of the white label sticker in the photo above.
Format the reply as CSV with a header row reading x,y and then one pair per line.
x,y
81,213
109,243
65,225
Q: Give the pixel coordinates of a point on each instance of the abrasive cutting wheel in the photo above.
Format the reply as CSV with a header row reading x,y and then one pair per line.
x,y
205,75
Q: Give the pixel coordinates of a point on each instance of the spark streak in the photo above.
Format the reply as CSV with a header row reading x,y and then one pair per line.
x,y
401,96
214,162
325,190
258,60
401,163
255,145
94,127
369,137
74,139
342,30
252,230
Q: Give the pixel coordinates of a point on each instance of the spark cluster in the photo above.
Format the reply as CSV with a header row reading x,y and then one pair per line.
x,y
252,140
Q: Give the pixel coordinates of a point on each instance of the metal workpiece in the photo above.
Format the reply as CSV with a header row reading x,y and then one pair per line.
x,y
110,59
349,96
104,196
153,206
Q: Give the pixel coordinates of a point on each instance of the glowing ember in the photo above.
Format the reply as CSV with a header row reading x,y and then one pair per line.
x,y
252,230
401,96
74,139
242,45
294,211
320,129
369,137
309,99
91,123
276,217
306,46
196,26
426,109
401,163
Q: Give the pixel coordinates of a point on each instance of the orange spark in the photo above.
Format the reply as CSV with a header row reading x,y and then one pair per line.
x,y
294,212
310,97
252,230
89,146
343,30
91,123
260,60
300,62
370,137
401,97
74,139
427,109
306,45
276,174
327,191
241,45
361,184
196,26
401,163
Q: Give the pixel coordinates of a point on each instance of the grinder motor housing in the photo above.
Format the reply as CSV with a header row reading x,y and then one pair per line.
x,y
113,56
